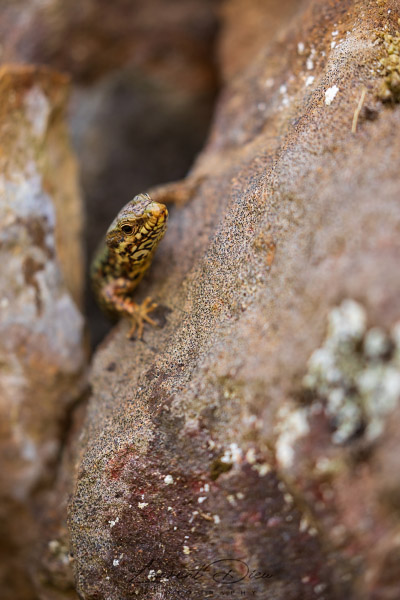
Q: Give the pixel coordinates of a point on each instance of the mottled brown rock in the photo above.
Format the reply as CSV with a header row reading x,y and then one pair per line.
x,y
50,569
206,440
42,358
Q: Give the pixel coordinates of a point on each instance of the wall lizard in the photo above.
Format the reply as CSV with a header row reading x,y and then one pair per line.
x,y
129,247
123,259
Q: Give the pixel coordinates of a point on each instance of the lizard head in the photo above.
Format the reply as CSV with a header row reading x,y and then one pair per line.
x,y
138,227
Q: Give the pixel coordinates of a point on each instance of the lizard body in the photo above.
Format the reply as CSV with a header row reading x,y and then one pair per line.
x,y
119,266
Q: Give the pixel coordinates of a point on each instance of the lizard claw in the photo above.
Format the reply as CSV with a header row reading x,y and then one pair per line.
x,y
139,314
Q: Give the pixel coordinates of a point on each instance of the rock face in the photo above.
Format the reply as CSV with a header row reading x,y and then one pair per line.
x,y
42,358
239,431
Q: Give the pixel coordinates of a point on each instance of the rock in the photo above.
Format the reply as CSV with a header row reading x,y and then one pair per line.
x,y
42,356
205,441
50,570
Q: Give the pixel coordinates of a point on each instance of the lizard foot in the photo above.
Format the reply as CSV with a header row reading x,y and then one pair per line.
x,y
139,314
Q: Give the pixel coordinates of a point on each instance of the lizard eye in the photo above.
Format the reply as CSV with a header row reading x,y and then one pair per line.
x,y
127,229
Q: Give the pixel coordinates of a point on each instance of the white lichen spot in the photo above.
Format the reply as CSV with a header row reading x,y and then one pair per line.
x,y
333,44
37,109
293,425
240,496
347,322
335,33
288,498
330,94
169,508
186,550
113,523
252,420
217,520
152,575
251,456
262,469
231,499
325,466
310,80
304,524
376,343
168,480
356,372
379,387
309,64
201,499
347,418
233,454
300,47
54,546
142,504
115,562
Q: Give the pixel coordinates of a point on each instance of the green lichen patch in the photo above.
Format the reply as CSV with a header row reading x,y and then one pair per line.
x,y
389,90
218,467
357,372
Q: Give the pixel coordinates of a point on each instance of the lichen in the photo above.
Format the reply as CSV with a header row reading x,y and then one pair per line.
x,y
389,90
356,372
292,424
218,467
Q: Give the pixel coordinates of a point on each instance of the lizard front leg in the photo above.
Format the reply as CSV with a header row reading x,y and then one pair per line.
x,y
117,296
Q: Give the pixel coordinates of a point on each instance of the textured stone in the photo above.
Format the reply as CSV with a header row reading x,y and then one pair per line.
x,y
199,444
42,358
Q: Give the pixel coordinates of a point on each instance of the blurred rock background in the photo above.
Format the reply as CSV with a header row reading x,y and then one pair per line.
x,y
43,355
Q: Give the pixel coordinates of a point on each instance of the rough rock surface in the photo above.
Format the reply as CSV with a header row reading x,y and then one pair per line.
x,y
42,358
216,437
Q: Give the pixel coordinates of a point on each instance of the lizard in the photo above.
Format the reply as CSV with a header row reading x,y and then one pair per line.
x,y
128,249
125,256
